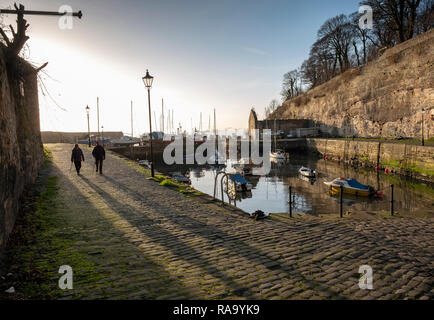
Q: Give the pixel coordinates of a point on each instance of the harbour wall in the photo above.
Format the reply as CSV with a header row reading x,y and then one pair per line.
x,y
405,159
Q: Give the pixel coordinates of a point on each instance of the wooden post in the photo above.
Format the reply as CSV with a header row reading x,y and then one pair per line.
x,y
391,199
290,201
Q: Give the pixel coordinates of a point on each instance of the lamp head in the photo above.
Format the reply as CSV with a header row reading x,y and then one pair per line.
x,y
148,79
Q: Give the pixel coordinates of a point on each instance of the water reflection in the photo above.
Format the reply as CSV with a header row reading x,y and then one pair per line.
x,y
271,193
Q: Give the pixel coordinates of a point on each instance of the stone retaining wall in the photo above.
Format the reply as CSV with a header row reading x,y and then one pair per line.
x,y
411,160
21,151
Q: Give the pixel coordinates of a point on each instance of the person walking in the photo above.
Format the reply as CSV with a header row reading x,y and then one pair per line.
x,y
99,154
76,157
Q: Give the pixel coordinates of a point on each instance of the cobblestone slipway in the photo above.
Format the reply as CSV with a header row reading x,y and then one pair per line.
x,y
152,242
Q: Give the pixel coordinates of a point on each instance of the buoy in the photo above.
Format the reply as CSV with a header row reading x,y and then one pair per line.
x,y
387,171
377,168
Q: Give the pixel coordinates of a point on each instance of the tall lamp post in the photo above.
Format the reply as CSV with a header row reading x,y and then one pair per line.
x,y
88,125
147,80
102,135
423,138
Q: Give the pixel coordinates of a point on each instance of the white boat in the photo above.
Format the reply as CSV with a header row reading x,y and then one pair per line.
x,y
125,141
145,163
307,172
277,155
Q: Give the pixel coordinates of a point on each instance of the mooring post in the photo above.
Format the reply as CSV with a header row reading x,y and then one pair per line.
x,y
341,201
391,199
290,201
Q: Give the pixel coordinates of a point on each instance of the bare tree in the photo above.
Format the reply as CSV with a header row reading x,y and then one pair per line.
x,y
396,21
291,84
19,37
274,104
338,34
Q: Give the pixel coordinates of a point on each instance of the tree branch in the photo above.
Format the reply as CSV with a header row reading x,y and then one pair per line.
x,y
41,67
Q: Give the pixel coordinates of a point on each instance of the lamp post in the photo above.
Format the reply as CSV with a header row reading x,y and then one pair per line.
x,y
423,138
88,125
147,80
102,135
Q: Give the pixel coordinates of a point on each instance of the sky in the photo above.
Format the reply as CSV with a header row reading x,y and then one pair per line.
x,y
227,54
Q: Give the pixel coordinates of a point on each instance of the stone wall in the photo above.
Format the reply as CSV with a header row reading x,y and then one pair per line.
x,y
411,160
73,137
383,98
285,125
21,151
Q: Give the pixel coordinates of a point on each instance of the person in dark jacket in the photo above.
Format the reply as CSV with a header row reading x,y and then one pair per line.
x,y
99,155
76,157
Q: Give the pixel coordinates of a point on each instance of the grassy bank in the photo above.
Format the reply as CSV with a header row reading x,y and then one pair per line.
x,y
38,246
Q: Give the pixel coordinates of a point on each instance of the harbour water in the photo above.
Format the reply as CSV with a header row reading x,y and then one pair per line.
x,y
271,193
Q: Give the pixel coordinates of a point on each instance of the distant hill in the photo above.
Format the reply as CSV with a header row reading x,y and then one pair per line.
x,y
383,98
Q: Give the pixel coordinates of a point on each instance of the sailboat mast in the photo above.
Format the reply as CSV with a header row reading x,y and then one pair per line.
x,y
97,113
132,129
162,115
275,135
215,124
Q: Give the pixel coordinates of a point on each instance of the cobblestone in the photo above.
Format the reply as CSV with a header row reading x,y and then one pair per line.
x,y
152,242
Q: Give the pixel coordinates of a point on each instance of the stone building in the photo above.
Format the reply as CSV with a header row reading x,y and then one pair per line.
x,y
285,127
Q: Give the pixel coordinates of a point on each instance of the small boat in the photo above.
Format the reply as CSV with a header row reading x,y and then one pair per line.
x,y
351,186
125,141
307,172
181,178
145,163
277,155
240,183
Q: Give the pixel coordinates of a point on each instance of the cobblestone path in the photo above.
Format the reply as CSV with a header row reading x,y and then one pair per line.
x,y
152,242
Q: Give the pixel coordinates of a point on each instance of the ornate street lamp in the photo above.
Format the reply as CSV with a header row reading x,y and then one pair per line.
x,y
88,124
102,135
147,80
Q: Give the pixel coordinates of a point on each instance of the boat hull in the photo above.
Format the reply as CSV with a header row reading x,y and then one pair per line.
x,y
352,191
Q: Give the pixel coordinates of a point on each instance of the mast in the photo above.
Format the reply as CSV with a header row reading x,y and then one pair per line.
x,y
275,135
132,129
200,124
97,113
215,124
155,120
162,115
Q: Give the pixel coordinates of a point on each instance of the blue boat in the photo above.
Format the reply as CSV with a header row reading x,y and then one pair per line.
x,y
240,183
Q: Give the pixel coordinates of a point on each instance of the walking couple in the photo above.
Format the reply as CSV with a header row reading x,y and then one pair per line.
x,y
98,153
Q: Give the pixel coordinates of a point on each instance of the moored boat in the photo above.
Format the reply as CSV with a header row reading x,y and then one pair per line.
x,y
240,183
351,186
307,172
277,155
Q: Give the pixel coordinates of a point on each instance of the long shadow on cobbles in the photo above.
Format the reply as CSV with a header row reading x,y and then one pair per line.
x,y
165,280
243,249
196,259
